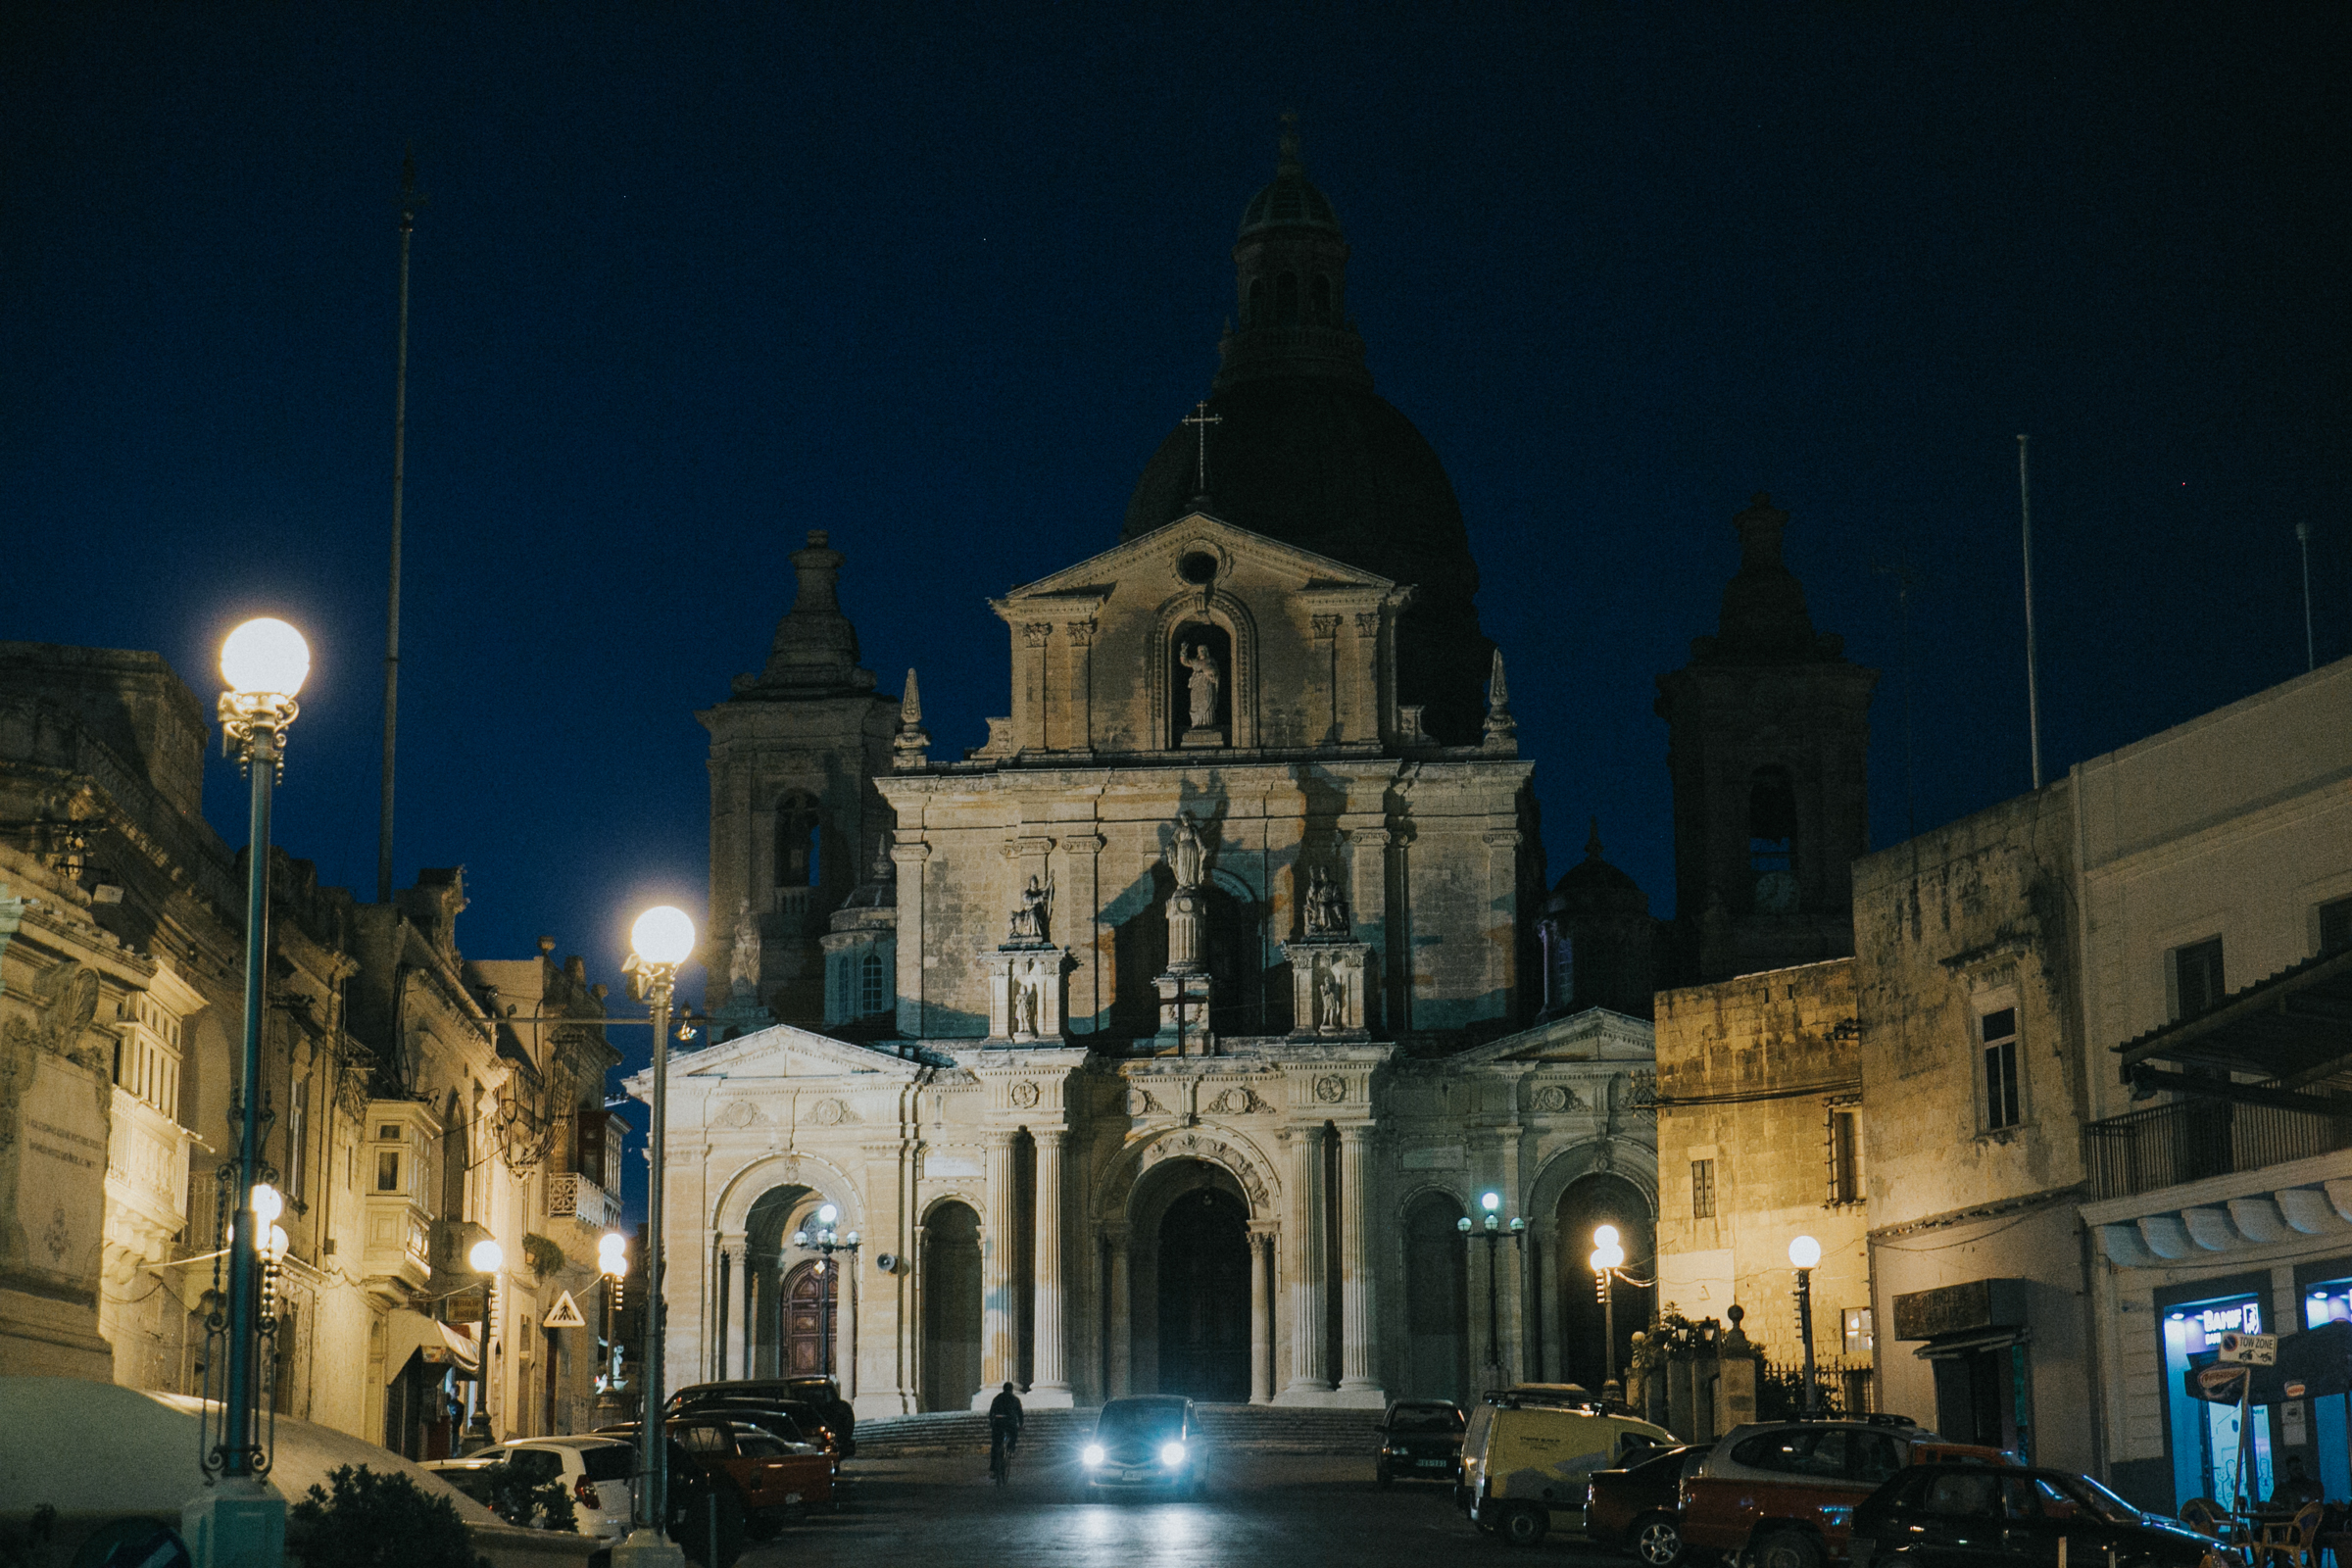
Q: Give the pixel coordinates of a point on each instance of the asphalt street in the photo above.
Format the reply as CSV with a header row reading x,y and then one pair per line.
x,y
1257,1509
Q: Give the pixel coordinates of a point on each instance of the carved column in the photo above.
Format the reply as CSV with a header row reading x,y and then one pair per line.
x,y
1364,717
1049,1382
1368,896
1502,894
750,1312
1081,718
909,860
1261,1313
1307,1380
1356,1356
1122,1336
1037,637
1327,632
999,1356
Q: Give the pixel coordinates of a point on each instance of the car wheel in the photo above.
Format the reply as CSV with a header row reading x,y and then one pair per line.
x,y
1658,1540
1788,1549
1525,1525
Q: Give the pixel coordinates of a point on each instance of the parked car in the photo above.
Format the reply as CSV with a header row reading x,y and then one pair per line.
x,y
1523,1462
1966,1515
788,1420
600,1473
1150,1443
1785,1491
768,1482
823,1395
1639,1506
1420,1440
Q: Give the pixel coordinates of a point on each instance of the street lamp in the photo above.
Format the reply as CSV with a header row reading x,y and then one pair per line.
x,y
825,1243
661,940
264,663
486,1257
1494,1230
1606,1259
1805,1255
612,1262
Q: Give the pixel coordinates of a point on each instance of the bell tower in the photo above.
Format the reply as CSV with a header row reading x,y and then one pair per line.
x,y
1289,265
1768,745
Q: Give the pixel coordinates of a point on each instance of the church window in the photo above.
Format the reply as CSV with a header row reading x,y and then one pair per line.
x,y
1845,1155
1318,301
1256,314
870,996
1702,1188
1286,300
798,830
2004,1102
1562,970
1772,841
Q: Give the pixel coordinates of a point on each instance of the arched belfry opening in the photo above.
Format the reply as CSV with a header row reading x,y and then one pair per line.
x,y
1772,841
1190,1325
800,842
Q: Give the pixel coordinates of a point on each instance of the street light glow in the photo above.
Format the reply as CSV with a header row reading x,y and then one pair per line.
x,y
826,1215
663,935
265,657
1490,1201
1607,1257
267,1206
1606,1235
486,1256
1805,1251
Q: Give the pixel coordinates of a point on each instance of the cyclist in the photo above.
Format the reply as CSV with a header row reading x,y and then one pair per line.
x,y
1005,1418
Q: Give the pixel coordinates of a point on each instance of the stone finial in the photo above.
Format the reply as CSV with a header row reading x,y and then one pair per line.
x,y
1503,730
910,748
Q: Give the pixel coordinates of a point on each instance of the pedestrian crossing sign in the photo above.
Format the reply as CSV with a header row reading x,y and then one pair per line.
x,y
564,1314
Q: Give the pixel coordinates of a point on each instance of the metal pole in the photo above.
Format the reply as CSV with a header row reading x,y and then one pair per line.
x,y
399,445
1804,1329
652,1494
1608,1328
244,1252
2311,659
2025,519
1494,1321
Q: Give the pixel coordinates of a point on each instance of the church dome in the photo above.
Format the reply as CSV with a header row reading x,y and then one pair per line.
x,y
1304,451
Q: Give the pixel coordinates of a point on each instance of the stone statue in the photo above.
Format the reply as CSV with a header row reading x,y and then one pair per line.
x,y
1187,857
1206,679
1326,911
743,965
1024,1007
1029,920
1331,1001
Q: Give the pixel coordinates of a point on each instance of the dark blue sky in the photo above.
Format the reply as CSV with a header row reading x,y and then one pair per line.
x,y
938,278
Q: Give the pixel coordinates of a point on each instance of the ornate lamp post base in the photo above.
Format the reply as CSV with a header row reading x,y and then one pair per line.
x,y
237,1523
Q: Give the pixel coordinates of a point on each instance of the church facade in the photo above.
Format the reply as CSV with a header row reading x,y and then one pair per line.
x,y
1212,1028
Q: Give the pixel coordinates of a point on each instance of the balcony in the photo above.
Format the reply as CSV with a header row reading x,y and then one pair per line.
x,y
574,1196
396,1244
2192,1140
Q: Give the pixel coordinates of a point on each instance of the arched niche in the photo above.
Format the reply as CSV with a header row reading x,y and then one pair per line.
x,y
1436,1299
1170,698
947,1278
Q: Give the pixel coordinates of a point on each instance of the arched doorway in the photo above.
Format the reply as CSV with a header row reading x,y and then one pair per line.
x,y
1204,1297
951,1285
1594,1200
1436,1300
811,1327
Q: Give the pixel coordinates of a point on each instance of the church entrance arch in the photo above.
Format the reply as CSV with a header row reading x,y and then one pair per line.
x,y
1590,1201
1190,1322
1436,1300
951,1288
811,1326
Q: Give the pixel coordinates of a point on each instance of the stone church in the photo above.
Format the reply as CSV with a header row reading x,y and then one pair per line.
x,y
1172,1040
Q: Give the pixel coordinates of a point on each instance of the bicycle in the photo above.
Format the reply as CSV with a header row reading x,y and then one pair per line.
x,y
999,1456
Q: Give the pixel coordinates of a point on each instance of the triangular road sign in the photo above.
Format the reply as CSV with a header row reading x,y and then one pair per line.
x,y
564,1314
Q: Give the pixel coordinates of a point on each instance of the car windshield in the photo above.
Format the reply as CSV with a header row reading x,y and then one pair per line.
x,y
1139,1420
1426,1418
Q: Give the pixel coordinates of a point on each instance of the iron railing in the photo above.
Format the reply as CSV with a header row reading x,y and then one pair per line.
x,y
2190,1140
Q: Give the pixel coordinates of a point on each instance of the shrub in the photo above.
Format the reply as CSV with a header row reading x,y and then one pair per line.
x,y
519,1500
378,1521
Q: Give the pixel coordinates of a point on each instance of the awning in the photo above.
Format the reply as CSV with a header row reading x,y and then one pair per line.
x,y
1951,1346
2311,1366
410,1333
2293,1029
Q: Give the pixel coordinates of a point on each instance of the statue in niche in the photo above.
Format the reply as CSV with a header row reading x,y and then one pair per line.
x,y
1029,920
1024,1007
1331,1001
1205,679
1188,857
743,964
1326,911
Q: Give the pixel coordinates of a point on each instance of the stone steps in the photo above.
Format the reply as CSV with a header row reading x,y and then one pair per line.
x,y
1255,1428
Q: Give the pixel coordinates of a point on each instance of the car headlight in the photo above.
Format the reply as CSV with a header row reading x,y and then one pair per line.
x,y
1171,1453
1093,1454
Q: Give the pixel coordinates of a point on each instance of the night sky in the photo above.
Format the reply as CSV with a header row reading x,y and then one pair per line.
x,y
694,279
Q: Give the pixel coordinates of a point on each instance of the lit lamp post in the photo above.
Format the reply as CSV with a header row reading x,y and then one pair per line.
x,y
612,1261
264,663
1493,1230
822,1241
486,1257
1806,1253
1606,1259
659,942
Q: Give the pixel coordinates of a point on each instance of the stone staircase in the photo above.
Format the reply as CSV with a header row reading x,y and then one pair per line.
x,y
1053,1433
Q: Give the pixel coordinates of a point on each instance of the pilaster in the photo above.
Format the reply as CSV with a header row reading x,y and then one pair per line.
x,y
1308,1383
1050,1385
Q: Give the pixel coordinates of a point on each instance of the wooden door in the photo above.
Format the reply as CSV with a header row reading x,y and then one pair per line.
x,y
810,1326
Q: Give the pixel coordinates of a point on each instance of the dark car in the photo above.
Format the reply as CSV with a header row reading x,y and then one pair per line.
x,y
1420,1440
706,1509
1969,1515
1150,1443
788,1420
1639,1506
823,1395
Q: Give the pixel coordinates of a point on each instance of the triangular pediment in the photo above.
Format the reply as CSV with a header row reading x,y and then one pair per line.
x,y
1594,1035
779,1052
1156,554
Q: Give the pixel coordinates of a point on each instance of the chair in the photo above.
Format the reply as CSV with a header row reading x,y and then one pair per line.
x,y
2292,1544
2206,1517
